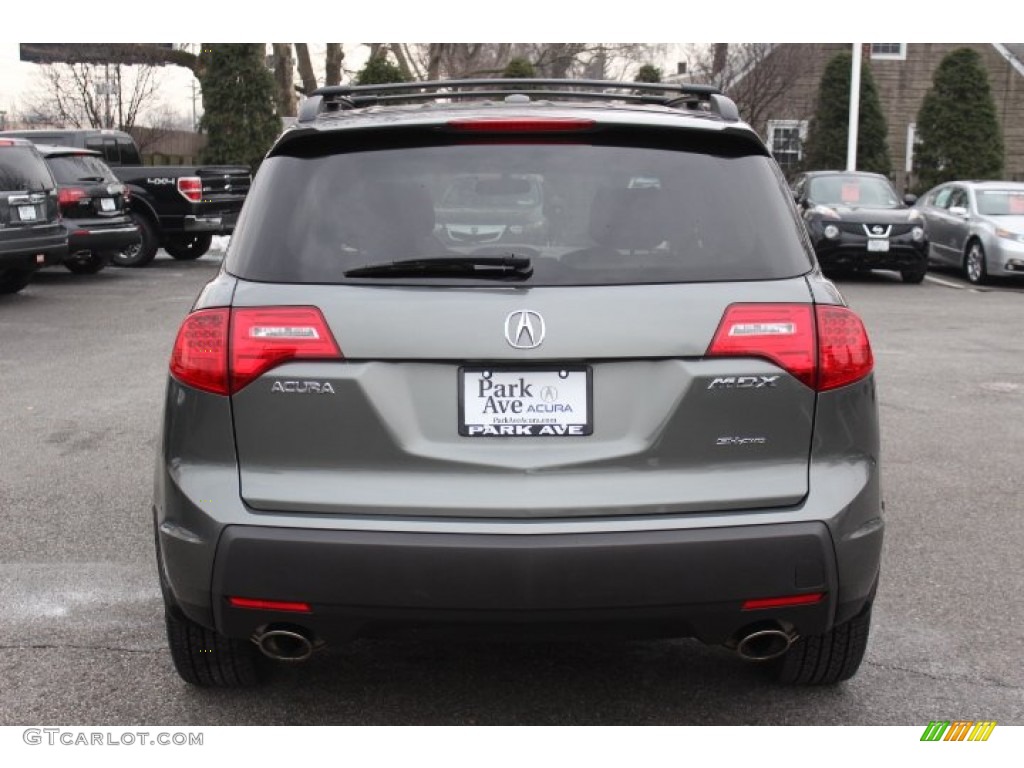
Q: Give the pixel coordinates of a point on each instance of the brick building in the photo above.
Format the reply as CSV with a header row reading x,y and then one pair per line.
x,y
903,73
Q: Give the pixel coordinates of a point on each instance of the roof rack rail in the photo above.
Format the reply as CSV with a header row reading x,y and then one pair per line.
x,y
676,95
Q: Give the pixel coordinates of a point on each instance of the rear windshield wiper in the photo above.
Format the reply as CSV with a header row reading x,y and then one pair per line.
x,y
488,267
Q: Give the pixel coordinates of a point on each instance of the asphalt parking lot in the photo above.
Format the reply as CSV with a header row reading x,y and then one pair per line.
x,y
82,372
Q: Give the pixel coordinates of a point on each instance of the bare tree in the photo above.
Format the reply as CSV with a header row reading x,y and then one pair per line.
x,y
757,76
284,78
553,60
332,64
306,73
334,56
159,124
92,95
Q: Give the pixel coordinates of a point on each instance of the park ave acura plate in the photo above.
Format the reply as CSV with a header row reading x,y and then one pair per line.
x,y
525,402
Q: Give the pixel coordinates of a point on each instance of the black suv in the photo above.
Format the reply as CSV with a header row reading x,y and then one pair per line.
x,y
618,406
94,205
31,234
858,222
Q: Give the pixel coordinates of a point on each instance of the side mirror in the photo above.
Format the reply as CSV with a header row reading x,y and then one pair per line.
x,y
910,199
958,210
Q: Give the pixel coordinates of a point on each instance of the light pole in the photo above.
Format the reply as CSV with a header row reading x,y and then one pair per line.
x,y
851,136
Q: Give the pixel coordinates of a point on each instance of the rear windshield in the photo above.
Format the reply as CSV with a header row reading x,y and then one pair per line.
x,y
583,214
73,169
23,170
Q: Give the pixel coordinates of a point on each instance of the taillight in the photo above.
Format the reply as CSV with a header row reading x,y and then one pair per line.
x,y
191,187
262,338
68,196
844,352
222,350
825,347
521,125
200,354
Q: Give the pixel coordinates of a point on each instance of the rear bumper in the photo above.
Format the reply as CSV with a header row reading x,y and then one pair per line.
x,y
90,235
682,583
33,249
212,222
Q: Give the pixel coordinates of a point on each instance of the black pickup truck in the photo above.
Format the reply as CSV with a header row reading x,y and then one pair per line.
x,y
177,207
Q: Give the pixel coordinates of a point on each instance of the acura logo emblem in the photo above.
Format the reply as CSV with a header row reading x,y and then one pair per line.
x,y
524,329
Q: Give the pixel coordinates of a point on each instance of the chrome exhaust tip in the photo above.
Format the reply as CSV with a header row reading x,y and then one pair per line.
x,y
284,644
764,644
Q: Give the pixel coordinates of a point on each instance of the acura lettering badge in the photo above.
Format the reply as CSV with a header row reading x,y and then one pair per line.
x,y
524,329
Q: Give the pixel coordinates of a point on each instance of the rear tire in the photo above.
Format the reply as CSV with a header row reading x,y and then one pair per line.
x,y
201,656
144,252
188,247
87,265
13,280
974,264
206,658
829,658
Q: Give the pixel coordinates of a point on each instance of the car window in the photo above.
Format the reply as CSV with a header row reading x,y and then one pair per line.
x,y
1000,202
23,170
858,191
583,213
941,198
129,154
958,198
71,169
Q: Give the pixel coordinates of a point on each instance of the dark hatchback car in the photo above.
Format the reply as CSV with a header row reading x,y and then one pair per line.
x,y
858,222
31,234
94,205
658,419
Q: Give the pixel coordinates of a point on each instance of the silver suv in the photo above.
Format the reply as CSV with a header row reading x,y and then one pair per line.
x,y
650,416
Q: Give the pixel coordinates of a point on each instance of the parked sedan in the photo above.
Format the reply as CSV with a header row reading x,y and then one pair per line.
x,y
858,222
94,205
977,226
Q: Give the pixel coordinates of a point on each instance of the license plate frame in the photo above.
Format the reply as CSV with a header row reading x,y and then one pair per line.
x,y
880,245
28,213
538,414
107,205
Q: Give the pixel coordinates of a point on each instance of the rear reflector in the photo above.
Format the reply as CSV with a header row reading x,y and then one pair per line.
x,y
191,188
825,347
222,350
783,602
269,605
521,125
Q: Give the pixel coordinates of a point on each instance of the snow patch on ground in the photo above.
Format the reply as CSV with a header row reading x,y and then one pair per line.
x,y
220,244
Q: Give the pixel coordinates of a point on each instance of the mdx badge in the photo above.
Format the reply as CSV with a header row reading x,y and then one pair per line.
x,y
524,329
743,382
